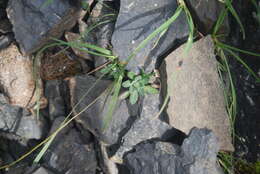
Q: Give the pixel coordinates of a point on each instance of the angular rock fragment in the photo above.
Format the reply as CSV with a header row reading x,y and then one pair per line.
x,y
35,22
17,79
197,155
136,21
71,155
196,92
145,128
94,117
17,121
202,147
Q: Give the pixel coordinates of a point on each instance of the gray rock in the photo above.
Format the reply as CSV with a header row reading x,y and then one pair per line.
x,y
94,117
18,121
42,170
145,128
202,147
71,155
196,156
35,23
196,92
205,21
156,158
56,104
136,21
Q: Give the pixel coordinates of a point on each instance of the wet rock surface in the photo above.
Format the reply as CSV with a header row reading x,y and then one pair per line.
x,y
197,97
136,21
197,155
39,22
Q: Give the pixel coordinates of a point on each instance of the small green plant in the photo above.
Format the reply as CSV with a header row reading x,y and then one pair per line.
x,y
138,85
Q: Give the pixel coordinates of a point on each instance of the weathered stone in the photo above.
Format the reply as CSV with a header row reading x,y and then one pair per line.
x,y
202,147
56,104
71,155
94,117
40,22
17,79
136,21
60,65
155,158
197,155
17,121
196,93
146,128
206,14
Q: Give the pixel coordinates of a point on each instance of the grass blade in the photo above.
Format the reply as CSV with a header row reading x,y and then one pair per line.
x,y
113,103
164,26
244,64
234,13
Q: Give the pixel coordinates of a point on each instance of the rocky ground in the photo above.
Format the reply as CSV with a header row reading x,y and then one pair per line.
x,y
45,82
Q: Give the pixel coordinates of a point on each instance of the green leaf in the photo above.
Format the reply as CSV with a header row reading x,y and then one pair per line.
x,y
133,97
131,75
150,90
126,84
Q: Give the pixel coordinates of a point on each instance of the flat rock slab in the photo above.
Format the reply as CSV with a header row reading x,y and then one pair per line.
x,y
196,92
35,22
16,77
136,21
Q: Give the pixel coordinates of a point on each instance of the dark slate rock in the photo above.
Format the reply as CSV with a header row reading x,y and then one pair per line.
x,y
71,155
202,147
197,155
93,118
56,104
205,21
35,23
136,21
156,158
18,121
145,128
